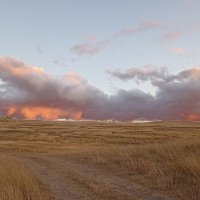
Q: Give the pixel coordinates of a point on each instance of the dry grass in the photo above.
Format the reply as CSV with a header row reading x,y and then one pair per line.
x,y
18,183
171,168
162,156
46,137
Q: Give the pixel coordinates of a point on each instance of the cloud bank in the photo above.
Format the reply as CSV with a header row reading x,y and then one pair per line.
x,y
29,92
177,97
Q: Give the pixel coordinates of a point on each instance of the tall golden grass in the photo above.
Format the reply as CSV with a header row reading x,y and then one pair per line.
x,y
162,156
171,168
18,183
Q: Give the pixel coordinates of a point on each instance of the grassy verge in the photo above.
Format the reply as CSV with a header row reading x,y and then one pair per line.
x,y
171,168
17,182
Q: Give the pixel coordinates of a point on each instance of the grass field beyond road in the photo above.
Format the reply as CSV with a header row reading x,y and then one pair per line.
x,y
162,157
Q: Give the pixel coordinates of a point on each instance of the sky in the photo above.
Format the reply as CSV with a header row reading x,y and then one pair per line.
x,y
110,59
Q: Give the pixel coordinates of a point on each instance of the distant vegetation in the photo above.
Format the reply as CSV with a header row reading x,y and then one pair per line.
x,y
5,119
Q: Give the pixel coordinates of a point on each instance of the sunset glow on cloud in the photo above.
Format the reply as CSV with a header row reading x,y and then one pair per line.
x,y
29,92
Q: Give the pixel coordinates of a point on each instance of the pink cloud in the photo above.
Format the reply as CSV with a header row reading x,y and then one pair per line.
x,y
90,38
177,50
88,48
92,46
142,26
172,35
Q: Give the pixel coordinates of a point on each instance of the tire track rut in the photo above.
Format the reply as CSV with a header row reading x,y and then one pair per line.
x,y
71,181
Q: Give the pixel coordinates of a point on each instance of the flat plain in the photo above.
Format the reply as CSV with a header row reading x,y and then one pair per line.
x,y
72,160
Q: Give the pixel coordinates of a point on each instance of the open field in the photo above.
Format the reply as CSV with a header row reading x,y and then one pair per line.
x,y
99,160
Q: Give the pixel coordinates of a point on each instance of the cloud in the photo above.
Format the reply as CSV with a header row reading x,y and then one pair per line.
x,y
147,73
90,37
177,97
158,74
29,92
193,74
89,48
177,50
142,26
92,46
190,4
172,35
187,30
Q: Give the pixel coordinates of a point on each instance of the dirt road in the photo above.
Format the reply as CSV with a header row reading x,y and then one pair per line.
x,y
69,180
